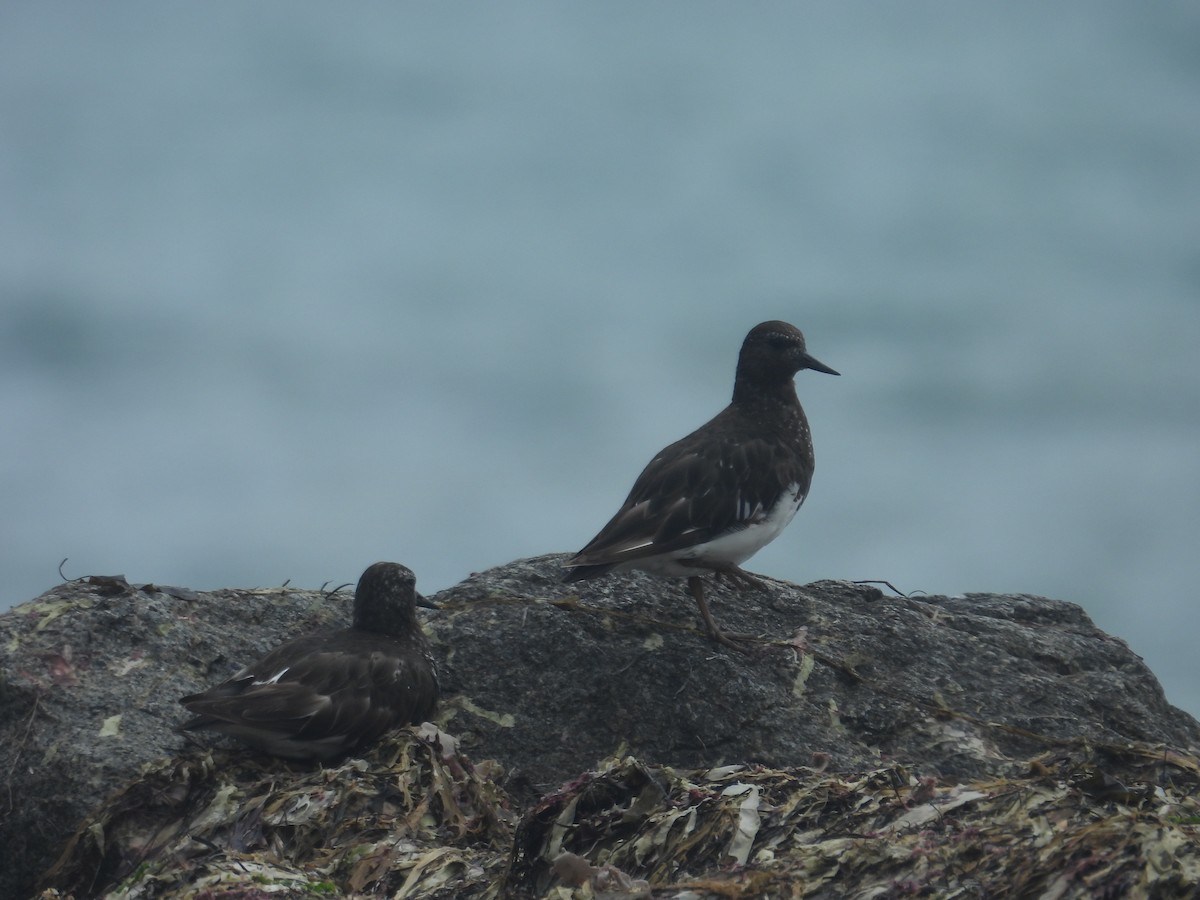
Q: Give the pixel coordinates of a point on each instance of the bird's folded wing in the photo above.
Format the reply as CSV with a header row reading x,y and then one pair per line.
x,y
689,495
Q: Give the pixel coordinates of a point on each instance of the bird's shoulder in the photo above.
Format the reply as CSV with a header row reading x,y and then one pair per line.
x,y
721,458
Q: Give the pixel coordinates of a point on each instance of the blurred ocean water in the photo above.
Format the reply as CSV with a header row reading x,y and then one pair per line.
x,y
286,290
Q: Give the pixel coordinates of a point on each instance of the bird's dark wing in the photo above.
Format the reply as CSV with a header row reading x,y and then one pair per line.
x,y
693,492
349,692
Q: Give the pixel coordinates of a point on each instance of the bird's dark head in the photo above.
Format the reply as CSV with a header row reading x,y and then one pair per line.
x,y
386,598
773,352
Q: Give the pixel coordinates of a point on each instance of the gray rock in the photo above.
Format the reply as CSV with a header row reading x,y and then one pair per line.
x,y
549,678
90,675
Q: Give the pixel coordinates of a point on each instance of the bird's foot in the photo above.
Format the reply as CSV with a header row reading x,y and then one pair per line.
x,y
733,640
739,579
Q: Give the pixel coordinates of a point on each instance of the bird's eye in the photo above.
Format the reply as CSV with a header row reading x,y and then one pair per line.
x,y
780,341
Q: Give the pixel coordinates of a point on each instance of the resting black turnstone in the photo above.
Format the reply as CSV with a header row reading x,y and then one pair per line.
x,y
710,501
324,695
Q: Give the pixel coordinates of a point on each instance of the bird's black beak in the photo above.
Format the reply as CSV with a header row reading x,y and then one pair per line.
x,y
426,604
817,366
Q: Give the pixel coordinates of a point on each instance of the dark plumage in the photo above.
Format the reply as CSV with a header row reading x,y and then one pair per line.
x,y
710,501
324,695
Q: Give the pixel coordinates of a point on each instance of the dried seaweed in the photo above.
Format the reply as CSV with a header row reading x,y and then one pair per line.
x,y
755,832
415,819
411,818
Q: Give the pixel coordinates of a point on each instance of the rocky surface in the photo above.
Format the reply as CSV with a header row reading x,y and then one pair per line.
x,y
90,675
548,679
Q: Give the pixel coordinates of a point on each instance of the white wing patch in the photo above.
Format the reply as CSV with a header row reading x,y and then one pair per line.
x,y
274,679
745,512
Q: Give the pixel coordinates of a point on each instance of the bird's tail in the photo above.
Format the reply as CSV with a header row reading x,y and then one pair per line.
x,y
583,573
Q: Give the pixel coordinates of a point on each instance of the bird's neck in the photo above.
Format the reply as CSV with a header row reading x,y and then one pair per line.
x,y
391,623
751,393
772,409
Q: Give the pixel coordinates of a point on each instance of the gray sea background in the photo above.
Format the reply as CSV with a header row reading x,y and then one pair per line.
x,y
289,288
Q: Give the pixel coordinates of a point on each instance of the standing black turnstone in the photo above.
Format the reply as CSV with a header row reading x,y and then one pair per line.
x,y
321,696
709,502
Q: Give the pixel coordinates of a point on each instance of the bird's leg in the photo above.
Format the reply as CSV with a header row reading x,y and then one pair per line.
x,y
696,589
